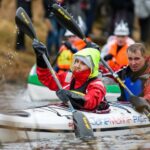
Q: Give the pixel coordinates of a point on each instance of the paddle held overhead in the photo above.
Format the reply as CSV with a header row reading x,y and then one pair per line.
x,y
82,126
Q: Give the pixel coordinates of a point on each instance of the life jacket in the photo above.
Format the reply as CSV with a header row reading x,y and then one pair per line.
x,y
64,59
119,57
79,44
136,87
135,81
81,89
102,108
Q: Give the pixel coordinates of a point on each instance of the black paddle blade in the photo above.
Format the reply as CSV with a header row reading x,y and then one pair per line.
x,y
139,103
82,126
24,23
65,19
20,113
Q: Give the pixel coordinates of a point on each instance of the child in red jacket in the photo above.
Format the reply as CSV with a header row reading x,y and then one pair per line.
x,y
83,79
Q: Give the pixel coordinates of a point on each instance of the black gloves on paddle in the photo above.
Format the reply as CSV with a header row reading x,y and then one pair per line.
x,y
39,49
93,45
76,100
103,106
108,57
139,103
70,47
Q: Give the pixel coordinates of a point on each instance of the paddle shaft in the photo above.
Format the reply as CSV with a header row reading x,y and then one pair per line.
x,y
82,127
55,59
25,24
115,75
55,78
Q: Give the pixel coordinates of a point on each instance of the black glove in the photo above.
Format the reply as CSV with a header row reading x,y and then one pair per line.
x,y
139,103
103,106
77,100
69,46
108,57
93,45
39,49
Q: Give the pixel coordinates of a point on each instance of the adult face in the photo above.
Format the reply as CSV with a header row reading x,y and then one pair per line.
x,y
121,40
136,60
79,66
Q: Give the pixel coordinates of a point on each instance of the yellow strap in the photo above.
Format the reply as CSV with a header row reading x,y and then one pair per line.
x,y
82,94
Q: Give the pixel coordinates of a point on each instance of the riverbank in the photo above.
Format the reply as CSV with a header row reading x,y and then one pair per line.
x,y
15,65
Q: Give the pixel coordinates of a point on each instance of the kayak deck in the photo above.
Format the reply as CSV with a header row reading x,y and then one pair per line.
x,y
56,121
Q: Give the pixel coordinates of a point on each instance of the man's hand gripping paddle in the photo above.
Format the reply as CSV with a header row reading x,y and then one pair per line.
x,y
134,98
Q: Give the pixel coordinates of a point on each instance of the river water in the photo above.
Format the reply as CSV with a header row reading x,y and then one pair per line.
x,y
16,96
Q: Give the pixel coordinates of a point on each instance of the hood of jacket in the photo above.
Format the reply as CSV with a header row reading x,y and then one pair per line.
x,y
92,56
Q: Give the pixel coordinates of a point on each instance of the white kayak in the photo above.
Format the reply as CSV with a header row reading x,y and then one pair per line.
x,y
54,121
37,91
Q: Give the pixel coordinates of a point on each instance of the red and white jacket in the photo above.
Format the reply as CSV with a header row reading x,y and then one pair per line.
x,y
95,91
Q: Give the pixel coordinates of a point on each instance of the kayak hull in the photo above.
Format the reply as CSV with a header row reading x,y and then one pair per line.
x,y
37,91
56,122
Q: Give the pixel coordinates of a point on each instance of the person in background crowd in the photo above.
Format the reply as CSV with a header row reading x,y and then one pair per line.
x,y
121,10
20,38
0,3
142,11
88,8
83,79
136,76
55,30
115,51
75,9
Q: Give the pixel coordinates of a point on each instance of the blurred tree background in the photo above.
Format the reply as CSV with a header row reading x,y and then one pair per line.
x,y
15,65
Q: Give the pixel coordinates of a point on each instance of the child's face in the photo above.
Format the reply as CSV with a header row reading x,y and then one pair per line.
x,y
79,66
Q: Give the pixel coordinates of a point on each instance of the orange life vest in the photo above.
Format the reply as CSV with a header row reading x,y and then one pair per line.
x,y
120,58
79,44
64,60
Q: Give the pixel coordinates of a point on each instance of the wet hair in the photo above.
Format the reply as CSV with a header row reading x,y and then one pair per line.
x,y
137,46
